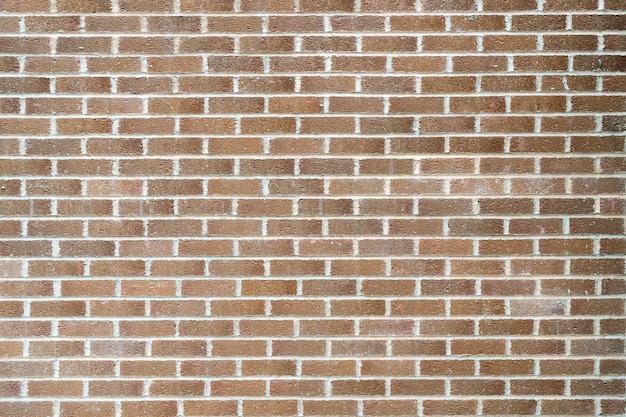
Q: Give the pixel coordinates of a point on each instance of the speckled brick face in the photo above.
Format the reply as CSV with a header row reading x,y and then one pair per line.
x,y
312,208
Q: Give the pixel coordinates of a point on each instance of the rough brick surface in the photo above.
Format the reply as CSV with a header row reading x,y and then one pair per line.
x,y
312,208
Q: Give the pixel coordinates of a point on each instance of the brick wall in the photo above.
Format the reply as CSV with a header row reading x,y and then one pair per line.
x,y
312,207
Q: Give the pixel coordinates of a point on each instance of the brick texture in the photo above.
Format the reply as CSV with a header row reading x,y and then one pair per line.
x,y
312,208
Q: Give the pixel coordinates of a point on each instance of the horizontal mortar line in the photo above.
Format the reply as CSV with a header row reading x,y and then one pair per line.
x,y
330,398
294,297
342,338
419,176
393,33
254,157
462,176
319,216
338,257
480,277
293,135
544,216
314,94
381,357
416,357
209,259
298,197
330,298
396,33
280,377
181,156
325,298
305,94
329,54
477,277
333,135
545,279
358,238
334,257
342,155
359,197
292,377
244,116
121,279
323,73
320,318
319,358
374,216
326,158
380,217
309,318
416,13
316,74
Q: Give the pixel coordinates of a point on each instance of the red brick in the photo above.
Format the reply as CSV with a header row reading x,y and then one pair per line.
x,y
449,407
149,408
217,407
57,349
86,408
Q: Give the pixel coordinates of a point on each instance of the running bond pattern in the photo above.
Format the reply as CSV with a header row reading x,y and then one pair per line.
x,y
312,207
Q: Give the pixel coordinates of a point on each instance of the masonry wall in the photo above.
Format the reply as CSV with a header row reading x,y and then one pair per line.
x,y
312,207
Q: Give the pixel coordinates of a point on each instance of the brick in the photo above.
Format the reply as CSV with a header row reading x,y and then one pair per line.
x,y
117,308
206,6
201,367
116,388
320,368
83,288
222,408
273,44
177,388
327,6
84,328
76,126
270,407
499,407
326,327
52,24
120,24
74,408
553,407
146,6
506,367
296,307
179,348
329,44
477,387
423,64
449,327
148,408
335,125
308,23
44,388
449,407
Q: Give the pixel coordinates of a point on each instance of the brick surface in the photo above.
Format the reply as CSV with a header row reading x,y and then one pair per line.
x,y
312,207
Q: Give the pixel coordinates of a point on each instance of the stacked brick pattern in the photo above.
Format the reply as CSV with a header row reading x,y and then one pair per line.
x,y
312,207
